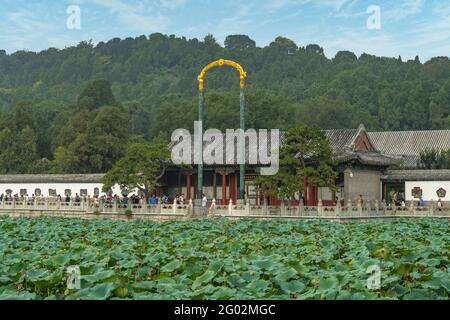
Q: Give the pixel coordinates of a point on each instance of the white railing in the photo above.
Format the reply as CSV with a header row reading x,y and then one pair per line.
x,y
367,211
359,211
93,207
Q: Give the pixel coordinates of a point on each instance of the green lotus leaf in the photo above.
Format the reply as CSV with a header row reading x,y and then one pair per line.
x,y
294,286
171,266
99,276
328,284
204,278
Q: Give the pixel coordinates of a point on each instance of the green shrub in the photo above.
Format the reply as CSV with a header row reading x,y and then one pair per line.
x,y
128,213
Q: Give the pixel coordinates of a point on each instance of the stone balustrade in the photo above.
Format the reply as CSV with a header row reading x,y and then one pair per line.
x,y
367,210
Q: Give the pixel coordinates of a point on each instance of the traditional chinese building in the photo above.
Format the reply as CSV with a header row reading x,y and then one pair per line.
x,y
371,164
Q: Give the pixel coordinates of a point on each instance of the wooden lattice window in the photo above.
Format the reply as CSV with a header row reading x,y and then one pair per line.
x,y
416,192
441,193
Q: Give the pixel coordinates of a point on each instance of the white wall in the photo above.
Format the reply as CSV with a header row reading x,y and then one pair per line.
x,y
429,189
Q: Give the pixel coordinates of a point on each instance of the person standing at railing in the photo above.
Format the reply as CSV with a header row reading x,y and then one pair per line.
x,y
421,202
152,200
439,204
204,201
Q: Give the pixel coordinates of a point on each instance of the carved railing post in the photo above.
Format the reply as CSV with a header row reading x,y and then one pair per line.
x,y
377,207
264,207
338,208
212,209
282,208
190,208
230,208
247,208
159,206
174,207
300,207
412,210
349,208
320,208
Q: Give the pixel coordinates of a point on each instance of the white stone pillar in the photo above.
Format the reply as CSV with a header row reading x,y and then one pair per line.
x,y
212,209
320,208
158,206
247,208
174,208
338,208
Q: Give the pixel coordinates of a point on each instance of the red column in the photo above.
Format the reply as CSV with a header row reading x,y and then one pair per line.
x,y
179,183
224,188
305,194
188,186
215,186
311,195
233,187
195,187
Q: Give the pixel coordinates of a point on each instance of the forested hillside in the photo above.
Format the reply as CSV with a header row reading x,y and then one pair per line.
x,y
52,109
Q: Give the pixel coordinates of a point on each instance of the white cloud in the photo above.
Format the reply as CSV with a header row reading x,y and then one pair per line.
x,y
406,9
172,4
134,16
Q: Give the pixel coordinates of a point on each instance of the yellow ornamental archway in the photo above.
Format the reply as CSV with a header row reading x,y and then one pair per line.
x,y
221,63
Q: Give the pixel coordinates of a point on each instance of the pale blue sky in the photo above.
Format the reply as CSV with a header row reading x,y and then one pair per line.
x,y
408,27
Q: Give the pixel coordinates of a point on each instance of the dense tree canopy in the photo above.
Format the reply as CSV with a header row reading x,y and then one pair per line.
x,y
434,159
305,156
59,108
142,167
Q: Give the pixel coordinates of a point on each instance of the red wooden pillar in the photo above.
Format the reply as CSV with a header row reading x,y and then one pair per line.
x,y
195,186
215,185
188,186
224,188
312,195
179,183
233,187
305,193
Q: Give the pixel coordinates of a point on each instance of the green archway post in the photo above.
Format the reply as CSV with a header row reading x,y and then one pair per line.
x,y
243,75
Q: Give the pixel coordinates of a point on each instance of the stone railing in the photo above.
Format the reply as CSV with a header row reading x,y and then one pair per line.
x,y
90,208
359,211
50,205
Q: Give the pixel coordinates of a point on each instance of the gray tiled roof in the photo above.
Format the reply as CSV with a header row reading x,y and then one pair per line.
x,y
416,175
51,178
341,139
409,144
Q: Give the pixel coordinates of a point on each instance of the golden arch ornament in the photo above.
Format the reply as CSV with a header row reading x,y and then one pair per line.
x,y
221,63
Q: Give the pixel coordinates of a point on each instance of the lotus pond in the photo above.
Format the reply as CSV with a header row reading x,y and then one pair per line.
x,y
223,259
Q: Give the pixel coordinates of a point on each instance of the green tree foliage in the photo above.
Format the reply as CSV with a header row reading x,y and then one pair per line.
x,y
142,167
95,145
96,94
305,156
434,159
57,94
239,42
18,150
